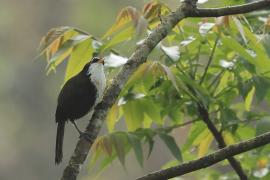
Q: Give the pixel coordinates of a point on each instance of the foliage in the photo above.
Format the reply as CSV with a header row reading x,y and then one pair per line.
x,y
218,63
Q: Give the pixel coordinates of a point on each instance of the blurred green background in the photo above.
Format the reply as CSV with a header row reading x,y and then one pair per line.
x,y
28,96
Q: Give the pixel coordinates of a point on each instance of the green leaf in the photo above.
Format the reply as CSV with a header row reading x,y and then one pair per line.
x,y
137,147
170,76
200,137
112,117
133,114
196,129
232,44
228,117
228,138
80,55
62,53
171,144
124,35
249,98
151,109
138,74
205,144
245,132
262,85
263,126
125,16
261,55
223,82
149,135
119,145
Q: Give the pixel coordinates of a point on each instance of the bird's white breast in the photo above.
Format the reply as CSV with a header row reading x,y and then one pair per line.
x,y
97,76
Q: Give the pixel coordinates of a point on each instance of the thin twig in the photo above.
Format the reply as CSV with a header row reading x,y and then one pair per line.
x,y
210,60
196,62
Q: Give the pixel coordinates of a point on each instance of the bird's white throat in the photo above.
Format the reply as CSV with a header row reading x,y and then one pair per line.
x,y
97,76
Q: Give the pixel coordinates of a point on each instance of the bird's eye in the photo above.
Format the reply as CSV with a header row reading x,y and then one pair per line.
x,y
95,59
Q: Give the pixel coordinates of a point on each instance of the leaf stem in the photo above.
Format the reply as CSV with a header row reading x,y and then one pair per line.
x,y
210,60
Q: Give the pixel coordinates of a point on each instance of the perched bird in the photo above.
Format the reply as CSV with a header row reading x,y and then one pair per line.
x,y
78,96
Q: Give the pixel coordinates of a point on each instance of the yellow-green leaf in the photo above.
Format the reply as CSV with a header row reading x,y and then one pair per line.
x,y
125,16
249,98
112,117
228,138
204,144
133,115
80,55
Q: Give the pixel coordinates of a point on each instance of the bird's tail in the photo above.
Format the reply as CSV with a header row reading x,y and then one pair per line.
x,y
59,142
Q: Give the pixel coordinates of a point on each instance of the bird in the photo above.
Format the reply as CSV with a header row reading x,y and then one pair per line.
x,y
78,97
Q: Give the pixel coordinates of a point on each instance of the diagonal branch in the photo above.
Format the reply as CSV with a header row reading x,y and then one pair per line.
x,y
210,159
138,57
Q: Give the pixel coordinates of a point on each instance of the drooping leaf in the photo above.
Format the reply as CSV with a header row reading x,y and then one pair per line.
x,y
137,147
197,128
249,99
203,134
205,144
119,145
112,117
171,144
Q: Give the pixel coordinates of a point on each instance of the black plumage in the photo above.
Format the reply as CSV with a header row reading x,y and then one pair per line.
x,y
76,99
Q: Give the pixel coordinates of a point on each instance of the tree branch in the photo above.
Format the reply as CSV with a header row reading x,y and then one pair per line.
x,y
137,58
210,159
217,12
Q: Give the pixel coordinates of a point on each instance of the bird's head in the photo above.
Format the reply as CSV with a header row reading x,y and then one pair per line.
x,y
96,65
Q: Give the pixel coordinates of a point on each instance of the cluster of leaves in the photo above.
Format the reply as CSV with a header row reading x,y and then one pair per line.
x,y
220,64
